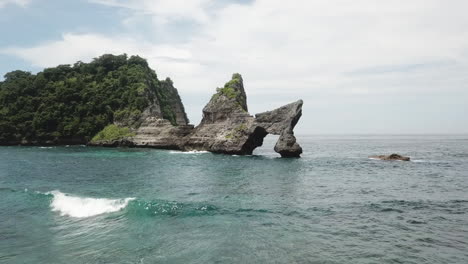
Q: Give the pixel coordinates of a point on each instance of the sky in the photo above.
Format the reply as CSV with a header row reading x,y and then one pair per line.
x,y
361,67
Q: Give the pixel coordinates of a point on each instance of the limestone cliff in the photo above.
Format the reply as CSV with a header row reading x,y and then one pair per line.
x,y
226,127
163,123
281,122
226,122
228,102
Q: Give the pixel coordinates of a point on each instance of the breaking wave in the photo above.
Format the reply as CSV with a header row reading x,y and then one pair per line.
x,y
81,207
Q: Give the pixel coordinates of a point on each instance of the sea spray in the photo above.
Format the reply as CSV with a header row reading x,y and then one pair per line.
x,y
170,208
80,207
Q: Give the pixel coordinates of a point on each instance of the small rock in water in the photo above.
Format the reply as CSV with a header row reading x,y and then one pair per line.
x,y
391,157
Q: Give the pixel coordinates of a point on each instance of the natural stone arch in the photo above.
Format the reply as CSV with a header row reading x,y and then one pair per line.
x,y
254,140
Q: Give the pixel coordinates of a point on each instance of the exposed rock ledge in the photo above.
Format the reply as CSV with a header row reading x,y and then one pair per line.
x,y
226,127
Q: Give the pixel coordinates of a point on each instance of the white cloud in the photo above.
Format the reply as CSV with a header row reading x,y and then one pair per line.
x,y
314,42
22,3
164,10
74,47
299,44
322,48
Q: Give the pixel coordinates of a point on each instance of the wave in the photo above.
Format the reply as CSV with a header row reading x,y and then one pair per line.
x,y
170,208
405,206
81,207
412,160
188,152
381,159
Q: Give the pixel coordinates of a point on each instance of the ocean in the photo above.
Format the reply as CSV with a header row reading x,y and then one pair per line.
x,y
82,204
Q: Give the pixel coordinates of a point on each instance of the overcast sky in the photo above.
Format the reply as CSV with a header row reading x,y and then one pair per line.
x,y
361,66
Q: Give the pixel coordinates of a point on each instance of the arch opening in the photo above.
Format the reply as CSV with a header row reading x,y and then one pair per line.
x,y
267,148
255,139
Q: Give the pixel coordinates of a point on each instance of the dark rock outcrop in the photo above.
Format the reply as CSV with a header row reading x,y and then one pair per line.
x,y
281,122
287,146
391,157
226,127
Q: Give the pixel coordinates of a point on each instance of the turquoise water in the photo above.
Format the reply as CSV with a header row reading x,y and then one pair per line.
x,y
96,205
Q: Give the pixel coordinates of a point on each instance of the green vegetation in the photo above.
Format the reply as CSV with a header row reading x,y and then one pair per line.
x,y
77,101
237,131
113,132
227,91
168,96
233,90
241,127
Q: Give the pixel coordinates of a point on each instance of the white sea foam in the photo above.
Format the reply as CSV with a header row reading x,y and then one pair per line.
x,y
383,159
81,207
188,152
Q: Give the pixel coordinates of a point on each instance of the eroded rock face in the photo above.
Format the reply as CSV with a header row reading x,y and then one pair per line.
x,y
287,146
226,127
155,131
176,109
281,122
229,102
160,133
280,119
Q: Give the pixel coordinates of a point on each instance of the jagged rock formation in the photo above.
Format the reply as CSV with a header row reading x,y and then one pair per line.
x,y
174,109
281,122
226,124
226,127
155,130
163,124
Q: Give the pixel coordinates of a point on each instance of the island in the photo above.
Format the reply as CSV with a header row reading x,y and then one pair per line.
x,y
118,101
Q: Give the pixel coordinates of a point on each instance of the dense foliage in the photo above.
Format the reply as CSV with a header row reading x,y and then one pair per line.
x,y
113,132
74,102
233,90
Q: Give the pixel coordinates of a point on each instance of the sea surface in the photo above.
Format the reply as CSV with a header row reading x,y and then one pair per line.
x,y
335,205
